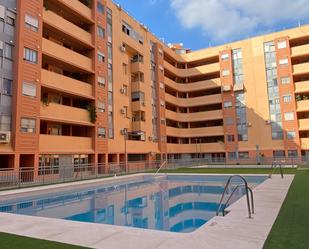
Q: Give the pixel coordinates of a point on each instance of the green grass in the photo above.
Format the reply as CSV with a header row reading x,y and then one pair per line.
x,y
290,231
228,171
9,241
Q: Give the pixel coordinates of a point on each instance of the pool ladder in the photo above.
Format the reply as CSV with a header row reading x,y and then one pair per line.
x,y
250,203
274,166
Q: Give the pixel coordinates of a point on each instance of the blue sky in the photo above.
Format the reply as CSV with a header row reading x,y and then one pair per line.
x,y
201,23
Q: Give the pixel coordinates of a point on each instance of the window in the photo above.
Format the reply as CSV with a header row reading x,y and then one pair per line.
x,y
284,61
232,155
229,121
138,96
281,44
101,132
101,106
101,32
224,57
10,20
227,104
5,122
30,55
225,72
230,138
243,155
29,89
279,153
289,116
285,80
292,153
126,28
101,57
101,81
31,23
8,51
287,98
27,125
291,134
1,48
7,87
100,8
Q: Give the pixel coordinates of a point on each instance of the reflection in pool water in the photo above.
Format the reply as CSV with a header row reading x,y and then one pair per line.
x,y
171,203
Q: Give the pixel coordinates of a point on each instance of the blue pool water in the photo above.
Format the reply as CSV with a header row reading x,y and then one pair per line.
x,y
171,203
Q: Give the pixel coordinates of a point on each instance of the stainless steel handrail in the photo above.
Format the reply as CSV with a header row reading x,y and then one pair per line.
x,y
231,195
274,167
247,194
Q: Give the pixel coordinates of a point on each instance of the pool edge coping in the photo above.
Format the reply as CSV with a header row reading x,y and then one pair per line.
x,y
237,208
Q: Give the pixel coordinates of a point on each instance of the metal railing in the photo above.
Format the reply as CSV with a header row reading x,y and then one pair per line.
x,y
274,166
27,176
247,189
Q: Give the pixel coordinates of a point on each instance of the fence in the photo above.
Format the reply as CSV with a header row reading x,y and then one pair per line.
x,y
31,176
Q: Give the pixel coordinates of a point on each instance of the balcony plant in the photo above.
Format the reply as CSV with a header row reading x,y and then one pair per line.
x,y
92,113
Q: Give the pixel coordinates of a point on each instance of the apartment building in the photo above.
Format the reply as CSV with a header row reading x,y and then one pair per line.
x,y
82,82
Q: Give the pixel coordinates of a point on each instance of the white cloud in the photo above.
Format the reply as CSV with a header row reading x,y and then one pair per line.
x,y
229,19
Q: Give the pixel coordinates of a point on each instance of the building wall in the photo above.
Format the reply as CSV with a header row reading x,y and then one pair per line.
x,y
125,96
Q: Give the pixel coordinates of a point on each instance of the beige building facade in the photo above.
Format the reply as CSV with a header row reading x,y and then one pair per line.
x,y
91,85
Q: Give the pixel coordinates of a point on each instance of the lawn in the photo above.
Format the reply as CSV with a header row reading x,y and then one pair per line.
x,y
290,231
8,241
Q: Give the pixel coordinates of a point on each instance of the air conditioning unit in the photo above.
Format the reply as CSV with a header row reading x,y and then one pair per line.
x,y
5,137
122,111
122,90
124,131
123,48
226,88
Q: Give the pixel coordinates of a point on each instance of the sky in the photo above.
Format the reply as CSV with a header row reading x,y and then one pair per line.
x,y
202,23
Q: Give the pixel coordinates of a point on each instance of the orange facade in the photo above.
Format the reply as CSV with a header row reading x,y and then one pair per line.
x,y
92,85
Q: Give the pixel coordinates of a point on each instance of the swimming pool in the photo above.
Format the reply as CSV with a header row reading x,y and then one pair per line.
x,y
175,203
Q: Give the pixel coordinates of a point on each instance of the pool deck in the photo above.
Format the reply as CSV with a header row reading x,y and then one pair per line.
x,y
234,231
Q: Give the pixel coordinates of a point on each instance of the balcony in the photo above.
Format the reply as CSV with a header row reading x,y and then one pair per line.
x,y
195,132
303,106
303,124
56,21
65,144
79,8
206,69
66,55
138,106
304,143
138,86
190,102
66,84
300,50
138,126
65,114
192,148
137,67
194,117
302,87
301,68
192,87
